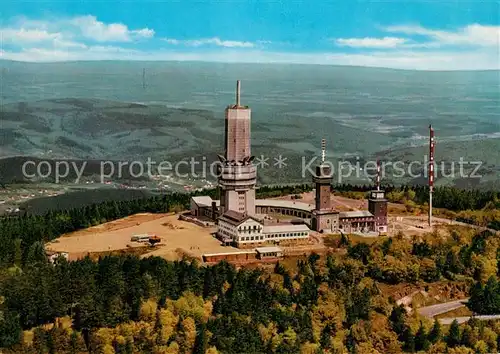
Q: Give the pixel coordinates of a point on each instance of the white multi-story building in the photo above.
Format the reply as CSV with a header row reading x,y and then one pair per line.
x,y
247,231
236,228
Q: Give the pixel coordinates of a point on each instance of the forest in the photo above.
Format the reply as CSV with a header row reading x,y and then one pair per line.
x,y
332,303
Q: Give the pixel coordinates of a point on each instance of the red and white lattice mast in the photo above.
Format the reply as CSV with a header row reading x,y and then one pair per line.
x,y
431,171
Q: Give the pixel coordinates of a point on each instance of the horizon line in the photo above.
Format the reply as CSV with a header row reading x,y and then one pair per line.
x,y
239,63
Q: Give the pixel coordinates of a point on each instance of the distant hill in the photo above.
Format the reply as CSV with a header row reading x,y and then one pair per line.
x,y
100,129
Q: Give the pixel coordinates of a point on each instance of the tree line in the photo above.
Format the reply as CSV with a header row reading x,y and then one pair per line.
x,y
446,197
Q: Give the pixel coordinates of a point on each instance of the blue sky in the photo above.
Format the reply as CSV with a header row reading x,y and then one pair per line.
x,y
418,34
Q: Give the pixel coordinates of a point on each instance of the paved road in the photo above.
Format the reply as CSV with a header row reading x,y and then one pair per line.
x,y
434,310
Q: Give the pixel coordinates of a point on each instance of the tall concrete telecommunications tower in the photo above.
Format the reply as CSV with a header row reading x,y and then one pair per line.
x,y
238,175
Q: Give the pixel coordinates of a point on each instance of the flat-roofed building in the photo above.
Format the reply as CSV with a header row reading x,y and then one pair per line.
x,y
356,221
204,206
269,252
284,207
235,256
286,233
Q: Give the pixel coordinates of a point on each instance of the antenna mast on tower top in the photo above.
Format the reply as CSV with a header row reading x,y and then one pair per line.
x,y
323,150
238,92
378,175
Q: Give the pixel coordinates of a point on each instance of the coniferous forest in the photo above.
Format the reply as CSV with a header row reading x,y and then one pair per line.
x,y
334,303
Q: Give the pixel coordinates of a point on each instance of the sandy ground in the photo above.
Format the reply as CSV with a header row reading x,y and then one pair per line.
x,y
177,237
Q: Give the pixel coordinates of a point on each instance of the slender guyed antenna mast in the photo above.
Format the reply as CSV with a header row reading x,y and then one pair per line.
x,y
431,171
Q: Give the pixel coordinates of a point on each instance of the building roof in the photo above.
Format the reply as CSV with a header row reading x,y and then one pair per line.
x,y
234,215
285,228
284,204
355,214
325,211
227,253
236,218
205,201
269,249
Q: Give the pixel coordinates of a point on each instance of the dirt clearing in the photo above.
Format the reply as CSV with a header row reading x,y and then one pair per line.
x,y
177,237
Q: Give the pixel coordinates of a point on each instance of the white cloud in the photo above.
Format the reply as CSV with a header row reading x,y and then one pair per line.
x,y
27,35
210,41
62,54
172,41
66,39
145,33
62,43
471,35
368,42
474,35
91,28
70,31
